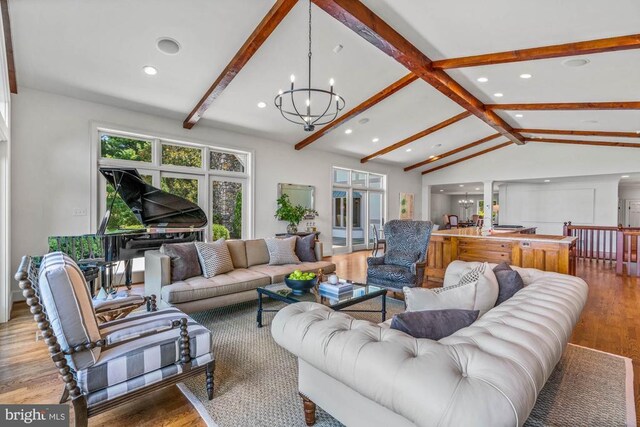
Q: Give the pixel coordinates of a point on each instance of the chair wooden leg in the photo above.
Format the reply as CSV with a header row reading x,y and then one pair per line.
x,y
65,394
210,368
80,411
309,410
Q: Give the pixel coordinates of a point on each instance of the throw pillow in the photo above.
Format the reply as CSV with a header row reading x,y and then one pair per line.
x,y
509,282
433,324
214,258
400,258
184,260
305,248
460,296
487,287
282,251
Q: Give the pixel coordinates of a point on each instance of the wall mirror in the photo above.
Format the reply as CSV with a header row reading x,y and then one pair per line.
x,y
299,194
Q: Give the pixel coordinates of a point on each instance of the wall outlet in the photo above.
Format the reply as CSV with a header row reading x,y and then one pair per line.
x,y
79,212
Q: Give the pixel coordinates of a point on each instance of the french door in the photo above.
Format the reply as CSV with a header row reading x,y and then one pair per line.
x,y
354,212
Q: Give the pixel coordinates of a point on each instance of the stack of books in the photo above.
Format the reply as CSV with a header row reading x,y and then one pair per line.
x,y
335,291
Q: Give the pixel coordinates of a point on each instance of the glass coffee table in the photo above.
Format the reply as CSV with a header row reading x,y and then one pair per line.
x,y
361,292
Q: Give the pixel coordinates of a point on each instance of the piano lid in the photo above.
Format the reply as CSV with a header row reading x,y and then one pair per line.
x,y
152,206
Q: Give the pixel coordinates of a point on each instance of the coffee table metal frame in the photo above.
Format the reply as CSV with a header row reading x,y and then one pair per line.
x,y
340,306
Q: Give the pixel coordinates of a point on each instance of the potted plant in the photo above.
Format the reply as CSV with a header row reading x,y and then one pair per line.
x,y
293,214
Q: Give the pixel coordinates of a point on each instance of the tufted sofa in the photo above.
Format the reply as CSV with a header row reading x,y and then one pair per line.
x,y
488,374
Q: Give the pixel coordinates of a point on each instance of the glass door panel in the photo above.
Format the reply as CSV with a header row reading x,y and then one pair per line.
x,y
339,218
358,219
376,214
228,201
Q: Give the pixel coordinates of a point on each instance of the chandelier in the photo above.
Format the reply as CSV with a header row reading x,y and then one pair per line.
x,y
321,106
465,203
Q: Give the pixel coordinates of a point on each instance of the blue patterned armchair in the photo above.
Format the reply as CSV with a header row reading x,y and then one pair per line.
x,y
404,260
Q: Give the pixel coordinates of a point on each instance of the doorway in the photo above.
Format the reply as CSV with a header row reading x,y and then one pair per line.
x,y
632,213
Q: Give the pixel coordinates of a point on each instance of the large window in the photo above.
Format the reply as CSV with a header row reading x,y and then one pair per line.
x,y
215,178
358,203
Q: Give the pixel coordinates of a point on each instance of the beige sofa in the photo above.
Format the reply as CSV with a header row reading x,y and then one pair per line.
x,y
487,374
252,270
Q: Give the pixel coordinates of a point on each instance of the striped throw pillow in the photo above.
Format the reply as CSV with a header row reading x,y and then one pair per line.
x,y
214,258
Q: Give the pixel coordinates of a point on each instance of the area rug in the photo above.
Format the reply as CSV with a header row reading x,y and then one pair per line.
x,y
256,380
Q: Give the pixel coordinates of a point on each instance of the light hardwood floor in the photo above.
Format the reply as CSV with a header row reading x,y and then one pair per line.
x,y
610,322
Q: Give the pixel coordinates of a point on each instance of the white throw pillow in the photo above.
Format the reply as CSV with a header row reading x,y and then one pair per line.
x,y
282,251
215,258
477,289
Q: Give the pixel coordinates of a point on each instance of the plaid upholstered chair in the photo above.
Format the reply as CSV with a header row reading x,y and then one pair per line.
x,y
103,365
405,257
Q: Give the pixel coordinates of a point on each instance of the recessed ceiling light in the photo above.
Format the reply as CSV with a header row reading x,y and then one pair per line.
x,y
482,79
348,131
363,121
431,156
261,104
148,69
519,115
168,46
408,150
624,176
498,95
441,190
477,188
575,62
375,140
547,180
638,132
525,76
338,48
461,185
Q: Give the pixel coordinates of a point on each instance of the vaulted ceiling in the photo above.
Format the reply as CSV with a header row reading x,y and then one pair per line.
x,y
95,50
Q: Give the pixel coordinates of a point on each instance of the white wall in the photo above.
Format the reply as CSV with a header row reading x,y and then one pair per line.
x,y
52,163
589,201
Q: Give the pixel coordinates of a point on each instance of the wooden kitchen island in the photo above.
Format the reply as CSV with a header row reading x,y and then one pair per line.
x,y
544,252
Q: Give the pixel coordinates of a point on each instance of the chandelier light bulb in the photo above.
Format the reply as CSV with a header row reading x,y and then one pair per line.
x,y
308,102
293,78
280,92
331,82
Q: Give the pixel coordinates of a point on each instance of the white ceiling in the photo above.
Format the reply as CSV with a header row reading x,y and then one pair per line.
x,y
95,49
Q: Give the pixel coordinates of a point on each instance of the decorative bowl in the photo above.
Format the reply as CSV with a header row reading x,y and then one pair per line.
x,y
299,287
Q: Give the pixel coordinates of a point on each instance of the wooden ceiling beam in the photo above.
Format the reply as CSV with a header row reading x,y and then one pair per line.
x,y
621,105
416,136
471,156
356,16
383,94
268,24
583,142
554,51
452,152
581,132
11,68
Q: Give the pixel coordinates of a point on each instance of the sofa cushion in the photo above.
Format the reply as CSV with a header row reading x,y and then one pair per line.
x,y
184,260
257,252
305,248
282,251
214,258
238,251
509,282
197,288
433,324
278,272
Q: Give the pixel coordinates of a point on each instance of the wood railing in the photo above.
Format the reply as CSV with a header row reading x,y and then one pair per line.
x,y
597,242
609,244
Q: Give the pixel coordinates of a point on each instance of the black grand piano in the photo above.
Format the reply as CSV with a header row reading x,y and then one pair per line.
x,y
167,218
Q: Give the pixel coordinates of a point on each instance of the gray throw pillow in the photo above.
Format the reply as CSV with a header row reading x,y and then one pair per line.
x,y
215,258
433,324
400,258
509,282
282,251
305,248
184,260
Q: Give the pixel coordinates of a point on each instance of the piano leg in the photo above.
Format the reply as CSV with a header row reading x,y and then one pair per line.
x,y
128,272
